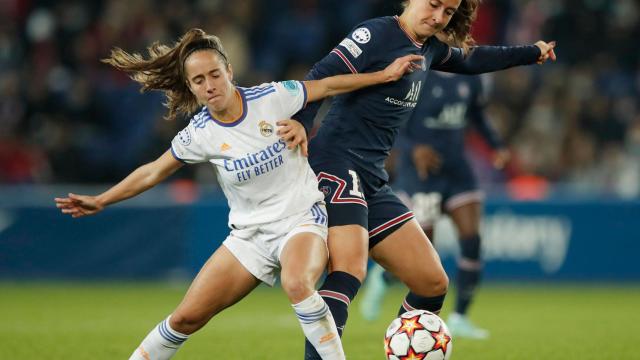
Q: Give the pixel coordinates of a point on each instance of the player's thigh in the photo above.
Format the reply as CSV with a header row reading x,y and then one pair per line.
x,y
348,250
387,213
466,217
303,259
221,282
409,255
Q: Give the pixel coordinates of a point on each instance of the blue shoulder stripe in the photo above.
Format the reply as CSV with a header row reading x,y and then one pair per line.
x,y
259,95
200,119
257,89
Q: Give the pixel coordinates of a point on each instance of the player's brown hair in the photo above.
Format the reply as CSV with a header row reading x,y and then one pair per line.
x,y
458,31
163,69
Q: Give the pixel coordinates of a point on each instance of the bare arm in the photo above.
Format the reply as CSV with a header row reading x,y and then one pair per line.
x,y
339,84
140,180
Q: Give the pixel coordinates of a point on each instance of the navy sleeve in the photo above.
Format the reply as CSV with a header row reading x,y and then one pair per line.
x,y
354,54
476,113
483,59
330,65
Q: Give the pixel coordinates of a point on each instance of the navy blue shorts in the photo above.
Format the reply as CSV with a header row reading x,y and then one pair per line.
x,y
353,199
453,186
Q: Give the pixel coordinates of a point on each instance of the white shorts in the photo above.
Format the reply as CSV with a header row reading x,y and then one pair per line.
x,y
258,248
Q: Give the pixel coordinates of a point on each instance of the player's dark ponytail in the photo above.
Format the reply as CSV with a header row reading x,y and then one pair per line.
x,y
164,68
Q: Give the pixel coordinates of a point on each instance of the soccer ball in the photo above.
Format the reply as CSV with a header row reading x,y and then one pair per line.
x,y
418,335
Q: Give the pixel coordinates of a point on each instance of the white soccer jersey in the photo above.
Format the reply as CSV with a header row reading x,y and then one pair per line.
x,y
262,179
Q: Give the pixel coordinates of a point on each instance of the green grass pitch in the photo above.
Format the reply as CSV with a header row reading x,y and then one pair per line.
x,y
107,321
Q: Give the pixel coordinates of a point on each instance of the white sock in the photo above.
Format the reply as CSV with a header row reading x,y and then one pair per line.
x,y
160,344
319,327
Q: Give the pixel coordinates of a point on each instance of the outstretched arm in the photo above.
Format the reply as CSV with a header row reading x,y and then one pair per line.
x,y
483,59
340,84
140,180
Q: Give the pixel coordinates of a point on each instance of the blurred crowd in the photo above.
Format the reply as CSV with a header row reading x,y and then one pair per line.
x,y
67,118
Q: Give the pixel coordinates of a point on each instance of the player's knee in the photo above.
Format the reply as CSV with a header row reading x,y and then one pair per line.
x,y
440,285
188,322
433,284
355,270
297,288
355,267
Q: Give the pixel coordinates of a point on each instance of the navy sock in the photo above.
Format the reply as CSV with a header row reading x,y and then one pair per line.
x,y
338,290
413,302
466,284
469,272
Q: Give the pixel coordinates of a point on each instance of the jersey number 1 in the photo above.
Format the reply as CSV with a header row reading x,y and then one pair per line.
x,y
356,185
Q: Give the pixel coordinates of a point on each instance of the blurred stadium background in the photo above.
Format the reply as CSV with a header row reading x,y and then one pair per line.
x,y
561,232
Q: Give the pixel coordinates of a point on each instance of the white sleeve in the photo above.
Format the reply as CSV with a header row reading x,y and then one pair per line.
x,y
292,96
187,145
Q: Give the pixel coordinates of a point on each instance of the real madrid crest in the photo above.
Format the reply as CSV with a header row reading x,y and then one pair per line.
x,y
266,129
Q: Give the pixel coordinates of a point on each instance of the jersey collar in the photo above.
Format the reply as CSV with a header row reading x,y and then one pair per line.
x,y
413,41
243,113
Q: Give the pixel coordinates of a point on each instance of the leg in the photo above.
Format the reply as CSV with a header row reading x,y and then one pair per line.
x,y
466,217
303,260
347,267
348,250
347,241
399,245
221,282
426,209
408,254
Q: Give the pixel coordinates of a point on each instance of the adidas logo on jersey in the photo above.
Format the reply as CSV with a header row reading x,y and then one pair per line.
x,y
225,147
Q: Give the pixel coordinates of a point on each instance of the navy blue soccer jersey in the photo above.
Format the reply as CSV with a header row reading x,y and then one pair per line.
x,y
449,103
441,118
362,126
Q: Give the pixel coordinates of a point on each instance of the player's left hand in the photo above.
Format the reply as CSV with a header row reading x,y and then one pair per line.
x,y
500,158
401,66
546,51
294,134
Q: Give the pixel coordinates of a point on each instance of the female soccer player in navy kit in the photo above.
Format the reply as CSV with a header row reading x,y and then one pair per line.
x,y
276,211
358,132
433,175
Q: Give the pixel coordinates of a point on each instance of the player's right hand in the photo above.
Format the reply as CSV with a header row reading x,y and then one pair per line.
x,y
426,160
546,51
294,134
78,205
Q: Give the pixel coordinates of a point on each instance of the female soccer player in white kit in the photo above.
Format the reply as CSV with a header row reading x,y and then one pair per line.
x,y
277,216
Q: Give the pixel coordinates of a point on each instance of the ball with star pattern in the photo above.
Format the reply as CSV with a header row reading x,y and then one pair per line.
x,y
418,335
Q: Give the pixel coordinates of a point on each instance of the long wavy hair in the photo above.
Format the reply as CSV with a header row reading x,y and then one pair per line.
x,y
458,32
163,69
